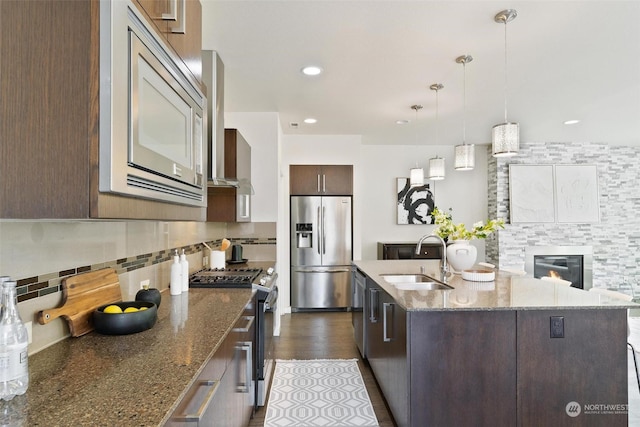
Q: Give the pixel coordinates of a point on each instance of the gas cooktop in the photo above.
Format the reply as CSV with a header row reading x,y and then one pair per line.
x,y
224,278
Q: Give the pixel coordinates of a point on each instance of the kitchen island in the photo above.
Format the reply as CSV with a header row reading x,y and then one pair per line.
x,y
513,351
136,379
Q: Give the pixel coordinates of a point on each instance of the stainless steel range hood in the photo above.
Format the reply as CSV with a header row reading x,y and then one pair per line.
x,y
213,76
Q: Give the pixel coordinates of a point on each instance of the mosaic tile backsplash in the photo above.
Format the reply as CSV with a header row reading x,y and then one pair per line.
x,y
37,286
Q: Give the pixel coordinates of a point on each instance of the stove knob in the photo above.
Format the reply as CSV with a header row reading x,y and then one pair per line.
x,y
270,271
263,281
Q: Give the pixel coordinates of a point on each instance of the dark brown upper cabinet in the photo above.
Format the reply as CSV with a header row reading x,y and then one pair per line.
x,y
321,180
49,137
232,204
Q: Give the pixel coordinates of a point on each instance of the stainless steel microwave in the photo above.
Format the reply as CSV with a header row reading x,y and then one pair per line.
x,y
152,113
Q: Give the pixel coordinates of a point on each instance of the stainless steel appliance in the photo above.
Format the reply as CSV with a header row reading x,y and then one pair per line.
x,y
358,311
321,252
265,284
152,113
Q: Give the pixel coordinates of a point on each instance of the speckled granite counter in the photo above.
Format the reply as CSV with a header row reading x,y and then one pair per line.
x,y
506,292
130,379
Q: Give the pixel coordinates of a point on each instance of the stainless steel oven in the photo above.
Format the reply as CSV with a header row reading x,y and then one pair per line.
x,y
152,113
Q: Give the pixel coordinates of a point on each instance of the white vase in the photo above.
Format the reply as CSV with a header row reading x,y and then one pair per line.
x,y
461,255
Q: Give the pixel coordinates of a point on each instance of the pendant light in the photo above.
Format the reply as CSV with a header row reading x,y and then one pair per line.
x,y
416,175
464,154
436,164
505,136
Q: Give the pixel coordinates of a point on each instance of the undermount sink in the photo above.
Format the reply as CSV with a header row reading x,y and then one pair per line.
x,y
414,282
422,286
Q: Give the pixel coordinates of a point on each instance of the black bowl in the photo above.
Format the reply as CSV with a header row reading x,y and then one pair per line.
x,y
125,323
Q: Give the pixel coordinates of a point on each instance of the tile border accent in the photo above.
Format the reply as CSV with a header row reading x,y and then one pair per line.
x,y
48,283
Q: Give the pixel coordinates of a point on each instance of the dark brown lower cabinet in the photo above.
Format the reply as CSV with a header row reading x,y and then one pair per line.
x,y
224,393
463,368
498,367
588,367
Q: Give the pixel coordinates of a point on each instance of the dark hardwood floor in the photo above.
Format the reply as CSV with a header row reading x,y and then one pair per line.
x,y
324,335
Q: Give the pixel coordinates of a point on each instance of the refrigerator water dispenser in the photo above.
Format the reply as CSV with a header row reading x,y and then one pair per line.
x,y
304,235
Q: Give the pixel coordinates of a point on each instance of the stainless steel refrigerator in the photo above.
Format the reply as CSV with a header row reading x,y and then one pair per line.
x,y
321,253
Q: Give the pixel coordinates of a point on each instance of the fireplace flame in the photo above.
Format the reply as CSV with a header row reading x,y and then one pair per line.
x,y
554,274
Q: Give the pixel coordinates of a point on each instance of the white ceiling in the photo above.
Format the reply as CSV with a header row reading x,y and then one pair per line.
x,y
566,60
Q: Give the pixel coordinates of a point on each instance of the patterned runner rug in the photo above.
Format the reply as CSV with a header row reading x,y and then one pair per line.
x,y
310,393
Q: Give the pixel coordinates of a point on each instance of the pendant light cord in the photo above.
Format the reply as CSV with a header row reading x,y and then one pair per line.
x,y
464,103
505,71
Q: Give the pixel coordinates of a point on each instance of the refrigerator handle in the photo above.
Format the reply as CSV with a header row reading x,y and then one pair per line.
x,y
319,231
324,237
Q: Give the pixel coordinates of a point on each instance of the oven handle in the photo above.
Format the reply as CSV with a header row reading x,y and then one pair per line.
x,y
271,300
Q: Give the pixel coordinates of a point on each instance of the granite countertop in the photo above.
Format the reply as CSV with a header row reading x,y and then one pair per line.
x,y
133,379
506,292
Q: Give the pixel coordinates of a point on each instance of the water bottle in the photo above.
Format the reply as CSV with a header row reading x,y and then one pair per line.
x,y
14,369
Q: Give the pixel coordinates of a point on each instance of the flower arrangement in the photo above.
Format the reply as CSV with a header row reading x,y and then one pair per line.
x,y
446,229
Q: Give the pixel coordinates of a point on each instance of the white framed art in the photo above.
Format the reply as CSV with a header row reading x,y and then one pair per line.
x,y
414,204
531,193
577,197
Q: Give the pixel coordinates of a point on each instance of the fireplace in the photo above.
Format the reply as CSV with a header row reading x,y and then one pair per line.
x,y
572,263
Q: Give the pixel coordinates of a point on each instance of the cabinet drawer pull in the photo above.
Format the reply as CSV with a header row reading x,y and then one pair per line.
x,y
247,328
172,15
202,407
245,385
386,337
181,15
373,305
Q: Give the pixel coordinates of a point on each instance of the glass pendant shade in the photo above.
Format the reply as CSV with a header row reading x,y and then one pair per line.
x,y
436,168
506,139
465,157
416,177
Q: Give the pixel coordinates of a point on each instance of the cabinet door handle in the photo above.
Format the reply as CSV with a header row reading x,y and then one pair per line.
x,y
324,183
318,186
247,385
247,328
197,416
373,305
181,15
172,15
385,323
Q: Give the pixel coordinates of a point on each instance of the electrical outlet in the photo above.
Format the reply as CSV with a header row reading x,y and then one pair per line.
x,y
205,261
29,326
557,326
144,283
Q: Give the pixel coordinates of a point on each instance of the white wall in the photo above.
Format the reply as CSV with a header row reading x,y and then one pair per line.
x,y
464,192
261,130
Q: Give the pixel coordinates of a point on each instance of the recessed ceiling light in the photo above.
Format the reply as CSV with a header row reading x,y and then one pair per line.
x,y
310,120
311,70
402,122
572,122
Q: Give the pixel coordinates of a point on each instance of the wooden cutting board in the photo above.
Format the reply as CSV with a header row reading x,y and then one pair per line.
x,y
81,295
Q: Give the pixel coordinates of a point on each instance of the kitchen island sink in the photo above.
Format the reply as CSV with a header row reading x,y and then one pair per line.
x,y
415,282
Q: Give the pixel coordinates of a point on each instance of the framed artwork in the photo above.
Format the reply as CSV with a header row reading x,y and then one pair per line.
x,y
531,193
576,188
415,204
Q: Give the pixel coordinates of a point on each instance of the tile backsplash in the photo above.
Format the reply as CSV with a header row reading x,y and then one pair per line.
x,y
40,254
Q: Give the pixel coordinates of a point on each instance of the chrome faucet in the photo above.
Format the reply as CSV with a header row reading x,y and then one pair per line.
x,y
444,269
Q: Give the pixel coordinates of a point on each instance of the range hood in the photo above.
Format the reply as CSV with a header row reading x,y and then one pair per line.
x,y
213,76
